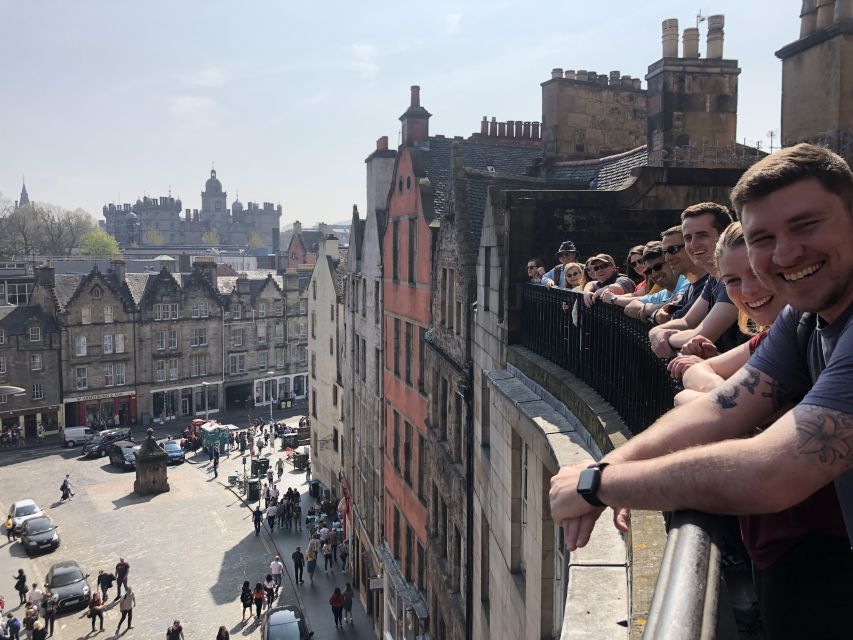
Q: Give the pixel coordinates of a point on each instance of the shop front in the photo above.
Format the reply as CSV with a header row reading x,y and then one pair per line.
x,y
101,410
181,402
24,423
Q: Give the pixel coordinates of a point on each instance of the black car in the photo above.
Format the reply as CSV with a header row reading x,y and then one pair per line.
x,y
39,534
67,582
100,443
284,623
123,454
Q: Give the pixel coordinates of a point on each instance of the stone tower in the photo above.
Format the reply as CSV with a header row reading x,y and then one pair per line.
x,y
415,120
692,101
213,200
817,78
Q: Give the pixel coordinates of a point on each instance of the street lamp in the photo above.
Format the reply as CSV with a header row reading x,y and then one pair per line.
x,y
9,390
204,387
271,372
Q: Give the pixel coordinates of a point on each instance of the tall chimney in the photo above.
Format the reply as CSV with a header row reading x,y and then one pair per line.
x,y
669,38
570,74
843,10
614,78
501,129
118,266
510,129
297,227
484,127
415,120
525,132
690,42
493,127
534,130
808,18
714,49
416,96
825,13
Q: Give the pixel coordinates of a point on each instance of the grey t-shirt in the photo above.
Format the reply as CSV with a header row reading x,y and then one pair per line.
x,y
823,380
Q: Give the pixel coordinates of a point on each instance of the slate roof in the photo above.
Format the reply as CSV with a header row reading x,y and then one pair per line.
x,y
601,174
15,319
257,279
66,286
136,284
338,269
477,188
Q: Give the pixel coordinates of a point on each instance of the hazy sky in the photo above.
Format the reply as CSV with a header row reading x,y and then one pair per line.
x,y
112,99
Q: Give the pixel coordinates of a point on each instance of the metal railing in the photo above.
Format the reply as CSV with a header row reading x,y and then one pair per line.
x,y
601,346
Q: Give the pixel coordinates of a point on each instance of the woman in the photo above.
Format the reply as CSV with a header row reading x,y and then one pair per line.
x,y
269,589
311,563
246,599
258,596
348,596
48,604
635,269
96,610
21,585
223,634
699,366
175,632
327,557
337,603
575,275
10,528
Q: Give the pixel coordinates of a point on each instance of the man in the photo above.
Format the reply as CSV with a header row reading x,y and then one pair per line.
x,y
796,207
556,277
257,519
277,571
128,602
122,571
606,280
713,314
65,488
105,583
271,513
679,260
298,564
659,273
35,595
535,270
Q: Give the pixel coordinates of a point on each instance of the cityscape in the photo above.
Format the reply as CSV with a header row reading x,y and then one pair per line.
x,y
526,387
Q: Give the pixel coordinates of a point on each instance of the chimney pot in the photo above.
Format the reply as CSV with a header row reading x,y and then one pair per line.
x,y
637,83
582,75
669,38
382,143
510,128
556,72
501,129
690,43
602,79
843,10
614,78
714,48
493,128
534,131
416,96
525,131
570,74
484,127
825,13
625,81
808,18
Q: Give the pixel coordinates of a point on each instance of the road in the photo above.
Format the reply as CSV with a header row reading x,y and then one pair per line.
x,y
189,549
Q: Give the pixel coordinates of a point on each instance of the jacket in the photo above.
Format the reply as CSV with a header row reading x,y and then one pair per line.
x,y
127,603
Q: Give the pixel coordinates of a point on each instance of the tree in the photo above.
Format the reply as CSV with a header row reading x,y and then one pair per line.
x,y
255,240
153,237
62,230
211,237
98,243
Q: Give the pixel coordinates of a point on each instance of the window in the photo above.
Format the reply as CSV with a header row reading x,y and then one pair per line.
x,y
451,298
421,567
395,449
81,375
313,324
395,249
200,310
4,398
314,365
487,276
2,336
262,360
96,293
173,368
2,364
422,467
442,411
198,365
199,337
303,355
108,375
485,535
421,359
86,315
161,340
397,347
38,391
236,337
121,373
119,342
279,358
237,311
332,312
80,346
377,369
334,395
485,412
331,346
160,370
35,334
18,293
279,332
356,346
363,299
407,452
396,539
303,329
108,344
237,364
314,290
108,313
166,311
314,402
262,333
173,339
410,553
376,308
457,426
413,250
35,362
262,310
409,346
363,360
303,307
335,439
279,308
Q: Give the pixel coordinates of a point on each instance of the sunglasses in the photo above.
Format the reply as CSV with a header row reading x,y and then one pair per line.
x,y
531,266
636,263
656,267
599,267
673,249
573,274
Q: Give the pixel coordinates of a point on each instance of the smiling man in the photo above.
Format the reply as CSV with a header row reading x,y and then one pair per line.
x,y
796,208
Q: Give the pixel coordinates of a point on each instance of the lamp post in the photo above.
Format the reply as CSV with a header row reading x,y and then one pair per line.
x,y
271,372
204,388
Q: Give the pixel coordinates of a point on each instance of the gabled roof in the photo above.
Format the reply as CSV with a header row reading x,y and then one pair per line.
x,y
16,320
338,269
65,287
601,174
88,279
310,240
136,284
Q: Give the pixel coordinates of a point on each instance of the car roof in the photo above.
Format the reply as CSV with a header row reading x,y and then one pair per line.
x,y
65,566
109,432
33,521
125,444
23,503
284,615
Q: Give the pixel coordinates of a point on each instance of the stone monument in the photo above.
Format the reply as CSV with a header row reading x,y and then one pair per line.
x,y
151,477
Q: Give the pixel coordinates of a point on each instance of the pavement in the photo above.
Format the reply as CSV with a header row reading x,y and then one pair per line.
x,y
189,549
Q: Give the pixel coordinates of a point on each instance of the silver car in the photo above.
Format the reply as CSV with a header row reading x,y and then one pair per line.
x,y
23,510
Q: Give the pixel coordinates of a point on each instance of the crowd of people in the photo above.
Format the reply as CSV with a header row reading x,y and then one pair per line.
x,y
762,339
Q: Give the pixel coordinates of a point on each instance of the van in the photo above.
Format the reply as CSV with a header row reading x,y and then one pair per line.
x,y
76,435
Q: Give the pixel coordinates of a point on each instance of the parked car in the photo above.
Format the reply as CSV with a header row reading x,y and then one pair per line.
x,y
39,534
23,510
73,436
67,582
100,443
284,623
173,450
123,454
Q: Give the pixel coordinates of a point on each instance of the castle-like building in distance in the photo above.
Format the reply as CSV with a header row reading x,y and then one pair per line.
x,y
153,222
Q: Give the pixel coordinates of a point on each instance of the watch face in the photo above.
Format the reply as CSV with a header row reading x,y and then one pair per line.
x,y
588,481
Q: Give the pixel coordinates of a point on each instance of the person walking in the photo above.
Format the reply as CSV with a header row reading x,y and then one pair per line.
x,y
49,612
105,583
279,467
96,610
13,626
10,529
65,489
269,590
39,632
246,599
311,564
308,471
277,571
223,634
175,632
258,596
344,556
122,572
337,602
126,605
257,519
348,596
327,557
298,564
216,466
271,513
333,542
297,515
21,585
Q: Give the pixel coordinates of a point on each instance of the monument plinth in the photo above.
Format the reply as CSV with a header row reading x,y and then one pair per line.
x,y
151,477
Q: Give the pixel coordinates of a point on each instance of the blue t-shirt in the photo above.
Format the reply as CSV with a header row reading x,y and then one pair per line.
x,y
823,379
664,295
690,296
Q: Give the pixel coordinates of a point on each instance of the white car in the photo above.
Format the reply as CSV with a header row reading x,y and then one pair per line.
x,y
23,510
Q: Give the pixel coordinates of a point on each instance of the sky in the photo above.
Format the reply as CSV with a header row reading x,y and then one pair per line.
x,y
109,100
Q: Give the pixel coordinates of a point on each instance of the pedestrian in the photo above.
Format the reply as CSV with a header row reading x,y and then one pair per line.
x,y
175,632
35,595
21,585
122,571
279,467
96,610
257,519
30,618
49,612
311,563
284,515
39,632
65,489
277,571
216,467
297,516
337,602
246,599
307,471
13,626
272,510
269,589
348,596
40,433
344,556
105,583
298,565
10,528
258,596
333,542
126,605
223,634
327,557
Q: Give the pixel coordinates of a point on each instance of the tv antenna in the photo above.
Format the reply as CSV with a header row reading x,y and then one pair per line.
x,y
700,18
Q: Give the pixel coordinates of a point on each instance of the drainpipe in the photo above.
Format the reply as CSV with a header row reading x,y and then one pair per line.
x,y
469,504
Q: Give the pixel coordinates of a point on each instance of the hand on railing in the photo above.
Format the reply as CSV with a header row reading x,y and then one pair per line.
x,y
699,346
659,340
679,364
575,515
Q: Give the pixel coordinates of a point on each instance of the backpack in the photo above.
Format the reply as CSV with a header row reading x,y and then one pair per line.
x,y
805,329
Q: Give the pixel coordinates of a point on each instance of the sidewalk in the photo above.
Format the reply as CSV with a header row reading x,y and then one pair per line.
x,y
312,599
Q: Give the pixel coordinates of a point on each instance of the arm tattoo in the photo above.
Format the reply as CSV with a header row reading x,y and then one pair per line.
x,y
749,378
727,399
825,433
780,396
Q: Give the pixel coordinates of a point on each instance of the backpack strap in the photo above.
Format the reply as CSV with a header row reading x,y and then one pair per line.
x,y
805,329
558,274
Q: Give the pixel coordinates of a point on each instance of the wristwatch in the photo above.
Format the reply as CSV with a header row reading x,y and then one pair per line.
x,y
589,482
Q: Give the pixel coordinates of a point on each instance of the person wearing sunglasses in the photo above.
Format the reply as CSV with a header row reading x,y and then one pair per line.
x,y
635,269
660,274
606,279
697,275
556,277
535,270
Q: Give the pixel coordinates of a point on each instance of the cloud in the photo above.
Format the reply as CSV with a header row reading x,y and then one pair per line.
x,y
453,23
209,77
362,60
195,111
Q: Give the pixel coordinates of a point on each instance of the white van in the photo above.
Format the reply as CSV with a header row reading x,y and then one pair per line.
x,y
76,435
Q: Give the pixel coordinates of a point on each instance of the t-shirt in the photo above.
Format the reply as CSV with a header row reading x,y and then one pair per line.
x,y
691,295
618,279
713,293
664,295
829,363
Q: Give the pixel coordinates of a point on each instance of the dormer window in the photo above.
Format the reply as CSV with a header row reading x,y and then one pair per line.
x,y
96,293
35,334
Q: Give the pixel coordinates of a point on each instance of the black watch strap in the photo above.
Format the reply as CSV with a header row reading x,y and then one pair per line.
x,y
590,494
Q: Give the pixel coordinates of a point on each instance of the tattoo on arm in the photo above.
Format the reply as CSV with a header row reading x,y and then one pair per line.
x,y
780,396
825,433
749,378
727,399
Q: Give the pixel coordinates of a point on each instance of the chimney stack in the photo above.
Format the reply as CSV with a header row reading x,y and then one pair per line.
x,y
714,49
808,18
493,127
690,43
570,74
416,96
382,144
843,10
297,227
556,72
415,120
242,284
615,78
825,13
207,266
534,130
46,275
484,127
669,38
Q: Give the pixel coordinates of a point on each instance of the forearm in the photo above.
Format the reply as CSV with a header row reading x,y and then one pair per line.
x,y
701,377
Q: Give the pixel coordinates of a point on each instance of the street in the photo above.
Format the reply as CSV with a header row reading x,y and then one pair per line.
x,y
189,549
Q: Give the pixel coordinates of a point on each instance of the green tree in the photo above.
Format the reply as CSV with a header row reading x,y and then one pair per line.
x,y
99,243
211,238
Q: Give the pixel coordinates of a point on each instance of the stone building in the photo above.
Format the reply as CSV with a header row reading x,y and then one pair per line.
x,y
160,221
304,246
29,360
325,316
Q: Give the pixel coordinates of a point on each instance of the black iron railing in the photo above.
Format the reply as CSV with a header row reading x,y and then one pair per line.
x,y
601,346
